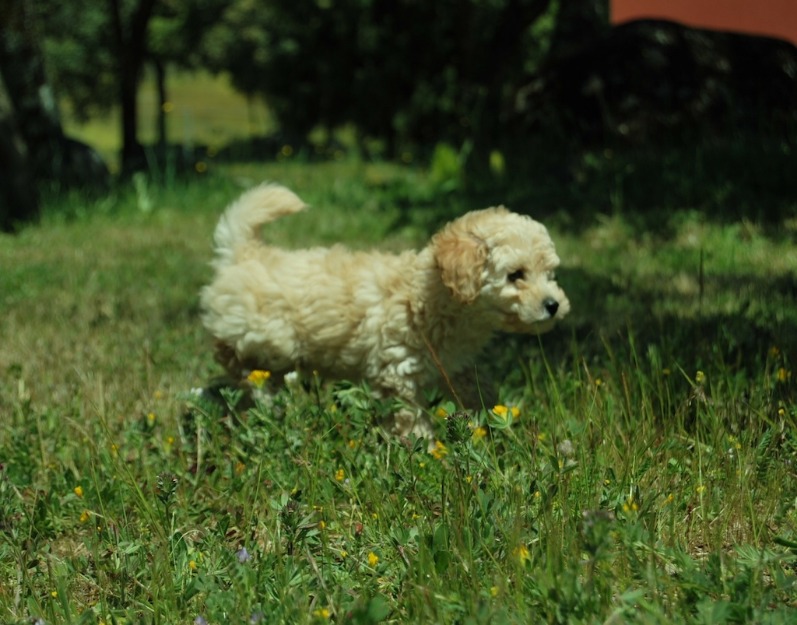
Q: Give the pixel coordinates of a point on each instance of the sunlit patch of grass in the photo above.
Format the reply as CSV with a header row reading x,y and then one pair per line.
x,y
202,110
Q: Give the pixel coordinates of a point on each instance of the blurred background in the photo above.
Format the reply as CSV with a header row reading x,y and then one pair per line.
x,y
553,103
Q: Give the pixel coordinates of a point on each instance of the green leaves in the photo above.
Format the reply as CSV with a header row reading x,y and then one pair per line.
x,y
369,611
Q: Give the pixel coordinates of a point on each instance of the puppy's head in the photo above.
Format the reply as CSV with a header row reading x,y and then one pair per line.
x,y
503,263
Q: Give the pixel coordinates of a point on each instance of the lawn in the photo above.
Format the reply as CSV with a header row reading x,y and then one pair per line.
x,y
640,468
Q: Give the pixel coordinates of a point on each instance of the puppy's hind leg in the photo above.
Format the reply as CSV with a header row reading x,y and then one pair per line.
x,y
408,421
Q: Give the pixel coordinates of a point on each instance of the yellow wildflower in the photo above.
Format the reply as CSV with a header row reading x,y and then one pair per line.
x,y
440,451
700,377
340,475
494,591
783,374
503,416
441,412
522,554
500,411
54,594
151,419
78,490
479,433
322,525
85,516
373,559
192,565
505,411
258,377
700,489
321,613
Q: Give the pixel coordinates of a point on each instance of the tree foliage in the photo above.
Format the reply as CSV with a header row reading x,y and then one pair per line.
x,y
97,51
33,147
401,70
398,70
79,53
82,47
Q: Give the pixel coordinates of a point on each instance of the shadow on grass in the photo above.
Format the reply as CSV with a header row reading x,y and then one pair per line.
x,y
725,179
613,326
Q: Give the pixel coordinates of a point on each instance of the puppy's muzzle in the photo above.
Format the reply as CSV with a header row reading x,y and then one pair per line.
x,y
551,306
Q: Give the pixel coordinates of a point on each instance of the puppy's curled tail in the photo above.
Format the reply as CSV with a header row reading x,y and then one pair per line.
x,y
239,223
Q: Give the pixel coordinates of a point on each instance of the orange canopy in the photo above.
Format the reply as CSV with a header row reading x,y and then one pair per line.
x,y
774,18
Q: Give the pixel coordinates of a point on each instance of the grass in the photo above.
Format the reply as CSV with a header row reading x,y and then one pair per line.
x,y
648,475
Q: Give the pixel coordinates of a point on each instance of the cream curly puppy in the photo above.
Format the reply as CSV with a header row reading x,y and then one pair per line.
x,y
401,322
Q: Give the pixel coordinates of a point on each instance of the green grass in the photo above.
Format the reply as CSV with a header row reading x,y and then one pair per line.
x,y
649,475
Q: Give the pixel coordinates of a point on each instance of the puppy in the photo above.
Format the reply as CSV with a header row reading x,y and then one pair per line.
x,y
401,322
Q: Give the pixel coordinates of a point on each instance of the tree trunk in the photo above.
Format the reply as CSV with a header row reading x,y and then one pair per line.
x,y
130,53
31,116
160,81
19,200
32,100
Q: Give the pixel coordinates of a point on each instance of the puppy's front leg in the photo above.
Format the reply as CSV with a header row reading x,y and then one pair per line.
x,y
408,420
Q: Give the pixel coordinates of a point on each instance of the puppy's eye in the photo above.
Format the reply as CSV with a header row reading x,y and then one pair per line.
x,y
516,275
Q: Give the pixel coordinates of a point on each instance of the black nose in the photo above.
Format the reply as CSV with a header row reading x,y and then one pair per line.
x,y
551,305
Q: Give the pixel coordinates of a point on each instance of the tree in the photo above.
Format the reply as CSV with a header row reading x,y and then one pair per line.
x,y
22,70
19,200
98,50
398,70
175,35
129,43
34,148
578,23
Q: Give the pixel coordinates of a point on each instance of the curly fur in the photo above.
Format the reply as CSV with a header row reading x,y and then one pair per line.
x,y
394,320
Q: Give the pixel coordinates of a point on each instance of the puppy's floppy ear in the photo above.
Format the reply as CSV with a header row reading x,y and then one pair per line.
x,y
460,256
